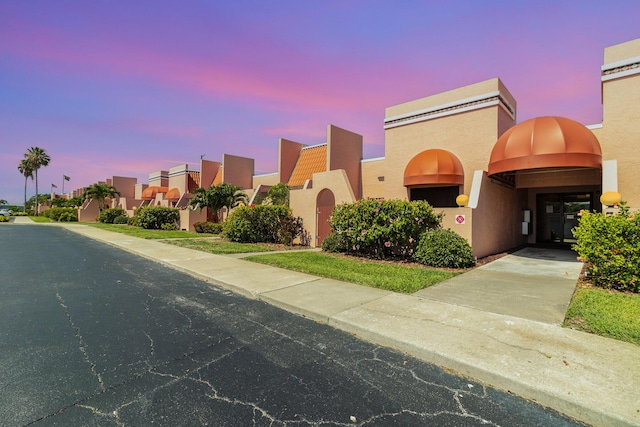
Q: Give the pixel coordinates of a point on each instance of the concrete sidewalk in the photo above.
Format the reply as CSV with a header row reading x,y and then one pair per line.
x,y
591,378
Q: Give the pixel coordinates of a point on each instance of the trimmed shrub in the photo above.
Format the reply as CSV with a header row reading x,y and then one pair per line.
x,y
55,214
107,216
68,217
261,223
387,229
208,227
610,245
122,219
4,218
154,217
443,248
334,243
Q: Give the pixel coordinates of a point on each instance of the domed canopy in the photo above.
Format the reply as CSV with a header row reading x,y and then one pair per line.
x,y
150,193
434,166
545,142
173,195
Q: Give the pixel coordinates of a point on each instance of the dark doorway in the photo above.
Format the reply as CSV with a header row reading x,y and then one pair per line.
x,y
558,214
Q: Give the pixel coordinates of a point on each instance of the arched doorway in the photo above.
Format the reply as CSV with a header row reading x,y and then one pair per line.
x,y
555,164
325,203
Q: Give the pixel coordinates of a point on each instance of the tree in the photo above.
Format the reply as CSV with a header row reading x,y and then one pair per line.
x,y
37,157
232,196
217,197
279,194
3,202
99,193
27,171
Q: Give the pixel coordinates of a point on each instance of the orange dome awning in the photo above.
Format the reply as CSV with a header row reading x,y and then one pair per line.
x,y
545,142
173,195
150,193
434,166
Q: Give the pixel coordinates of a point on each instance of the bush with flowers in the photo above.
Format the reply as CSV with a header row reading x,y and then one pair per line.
x,y
387,229
263,224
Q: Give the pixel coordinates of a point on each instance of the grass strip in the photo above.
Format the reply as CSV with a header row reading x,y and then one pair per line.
x,y
144,233
218,246
606,313
388,276
39,218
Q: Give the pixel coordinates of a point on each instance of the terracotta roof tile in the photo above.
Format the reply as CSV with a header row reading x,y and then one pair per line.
x,y
310,161
218,179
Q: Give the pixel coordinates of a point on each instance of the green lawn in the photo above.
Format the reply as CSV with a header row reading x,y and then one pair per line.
x,y
143,233
39,218
610,314
389,276
218,246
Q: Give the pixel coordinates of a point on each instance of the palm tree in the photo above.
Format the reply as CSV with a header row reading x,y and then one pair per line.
x,y
99,193
37,157
232,196
217,197
208,198
27,171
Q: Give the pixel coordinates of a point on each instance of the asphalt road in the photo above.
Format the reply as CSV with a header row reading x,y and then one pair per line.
x,y
93,336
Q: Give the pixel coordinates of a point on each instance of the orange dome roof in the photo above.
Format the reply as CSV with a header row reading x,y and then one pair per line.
x,y
545,142
434,166
150,193
173,195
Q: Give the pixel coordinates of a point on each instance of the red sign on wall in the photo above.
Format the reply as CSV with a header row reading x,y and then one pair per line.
x,y
460,219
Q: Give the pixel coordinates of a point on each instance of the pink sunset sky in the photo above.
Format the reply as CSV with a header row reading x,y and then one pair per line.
x,y
127,88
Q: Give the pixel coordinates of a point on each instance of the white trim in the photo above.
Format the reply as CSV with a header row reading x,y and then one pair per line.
x,y
609,176
424,114
621,74
307,147
474,195
265,174
621,63
442,106
374,159
594,126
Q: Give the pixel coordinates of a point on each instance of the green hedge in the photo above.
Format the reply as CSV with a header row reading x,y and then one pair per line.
x,y
208,227
387,229
157,218
4,218
445,249
108,216
61,214
261,223
610,245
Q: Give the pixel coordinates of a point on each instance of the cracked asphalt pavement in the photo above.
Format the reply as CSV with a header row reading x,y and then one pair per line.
x,y
94,336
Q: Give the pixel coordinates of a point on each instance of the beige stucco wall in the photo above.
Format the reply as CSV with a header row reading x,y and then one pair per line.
x,y
621,122
344,151
469,135
288,154
373,179
208,171
159,178
303,202
237,170
497,220
266,179
179,178
189,217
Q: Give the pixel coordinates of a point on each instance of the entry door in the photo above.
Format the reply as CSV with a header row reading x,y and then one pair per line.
x,y
572,204
324,208
557,215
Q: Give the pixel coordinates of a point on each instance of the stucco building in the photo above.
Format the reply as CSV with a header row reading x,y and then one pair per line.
x,y
525,182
